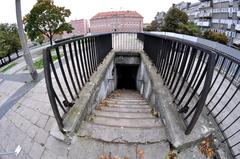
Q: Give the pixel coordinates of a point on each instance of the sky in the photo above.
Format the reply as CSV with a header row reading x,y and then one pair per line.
x,y
85,9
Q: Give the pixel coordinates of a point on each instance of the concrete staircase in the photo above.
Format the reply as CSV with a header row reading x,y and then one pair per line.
x,y
124,116
124,121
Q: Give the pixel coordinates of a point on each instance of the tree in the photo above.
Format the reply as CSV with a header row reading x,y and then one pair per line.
x,y
9,40
40,39
153,27
173,19
46,19
189,29
215,36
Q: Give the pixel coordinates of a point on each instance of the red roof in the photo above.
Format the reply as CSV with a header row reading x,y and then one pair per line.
x,y
117,13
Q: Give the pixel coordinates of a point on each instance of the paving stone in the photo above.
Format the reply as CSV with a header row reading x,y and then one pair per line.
x,y
27,113
42,121
48,155
154,151
25,125
11,145
35,117
4,142
19,136
57,147
50,113
49,124
41,136
120,150
27,144
32,131
86,149
36,151
44,109
19,109
17,119
23,155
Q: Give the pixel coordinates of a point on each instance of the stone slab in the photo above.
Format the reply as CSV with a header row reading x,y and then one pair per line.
x,y
134,123
121,134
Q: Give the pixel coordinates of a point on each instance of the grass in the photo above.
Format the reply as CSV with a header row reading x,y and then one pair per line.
x,y
38,64
7,67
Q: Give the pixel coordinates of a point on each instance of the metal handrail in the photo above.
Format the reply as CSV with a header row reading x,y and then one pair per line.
x,y
195,74
76,60
192,69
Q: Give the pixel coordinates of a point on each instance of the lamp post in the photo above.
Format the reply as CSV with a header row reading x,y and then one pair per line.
x,y
26,52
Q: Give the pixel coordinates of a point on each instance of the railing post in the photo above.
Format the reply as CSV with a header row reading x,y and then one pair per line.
x,y
204,94
51,92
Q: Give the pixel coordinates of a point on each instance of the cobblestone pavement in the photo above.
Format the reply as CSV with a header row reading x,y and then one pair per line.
x,y
27,124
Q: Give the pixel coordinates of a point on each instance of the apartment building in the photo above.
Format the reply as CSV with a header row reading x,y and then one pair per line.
x,y
193,11
217,15
116,21
160,18
80,27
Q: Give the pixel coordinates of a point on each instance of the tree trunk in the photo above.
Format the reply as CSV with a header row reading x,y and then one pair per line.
x,y
51,40
26,52
1,61
9,58
17,53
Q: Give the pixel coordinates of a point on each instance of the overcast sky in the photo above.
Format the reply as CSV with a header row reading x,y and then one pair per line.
x,y
88,8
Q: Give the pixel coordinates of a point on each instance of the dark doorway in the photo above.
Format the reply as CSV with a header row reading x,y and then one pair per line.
x,y
126,76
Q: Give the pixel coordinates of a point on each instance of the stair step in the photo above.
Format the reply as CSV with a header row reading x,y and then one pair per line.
x,y
127,99
126,110
131,106
134,123
120,134
123,115
127,102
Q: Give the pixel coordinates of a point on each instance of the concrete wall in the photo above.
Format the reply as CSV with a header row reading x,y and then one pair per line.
x,y
151,86
102,82
106,85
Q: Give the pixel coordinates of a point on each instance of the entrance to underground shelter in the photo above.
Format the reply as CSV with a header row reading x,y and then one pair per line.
x,y
127,76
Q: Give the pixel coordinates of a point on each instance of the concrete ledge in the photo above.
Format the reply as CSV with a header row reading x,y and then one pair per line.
x,y
160,97
86,101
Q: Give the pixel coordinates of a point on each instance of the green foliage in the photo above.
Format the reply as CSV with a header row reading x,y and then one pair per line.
x,y
153,27
40,39
38,64
9,40
7,67
173,19
46,19
215,36
189,29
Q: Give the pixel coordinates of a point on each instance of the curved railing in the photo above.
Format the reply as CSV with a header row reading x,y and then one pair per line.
x,y
199,75
196,73
68,66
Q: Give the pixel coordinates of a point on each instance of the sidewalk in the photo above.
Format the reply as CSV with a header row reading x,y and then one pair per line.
x,y
27,124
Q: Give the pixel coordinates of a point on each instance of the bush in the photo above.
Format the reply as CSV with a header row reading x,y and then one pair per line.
x,y
189,29
215,36
173,18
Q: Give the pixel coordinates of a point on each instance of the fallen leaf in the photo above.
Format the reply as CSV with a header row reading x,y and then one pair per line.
x,y
141,154
206,147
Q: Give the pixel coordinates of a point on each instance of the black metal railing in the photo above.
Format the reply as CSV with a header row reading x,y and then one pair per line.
x,y
197,76
126,42
68,65
178,63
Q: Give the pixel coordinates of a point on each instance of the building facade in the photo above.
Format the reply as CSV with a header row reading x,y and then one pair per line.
x,y
116,21
160,18
80,27
217,15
